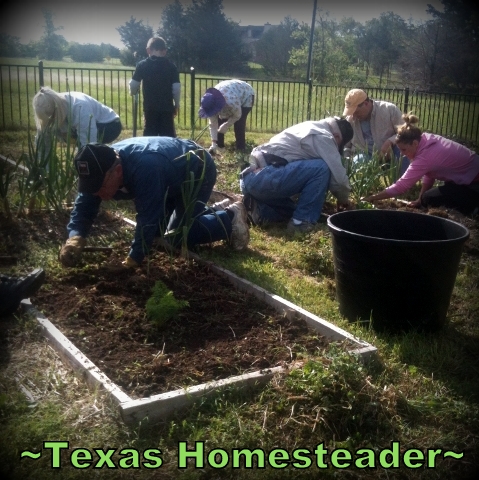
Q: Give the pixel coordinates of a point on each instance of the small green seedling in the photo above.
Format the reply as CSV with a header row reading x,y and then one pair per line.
x,y
162,305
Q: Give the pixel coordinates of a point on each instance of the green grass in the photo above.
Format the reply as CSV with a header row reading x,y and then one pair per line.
x,y
421,390
278,104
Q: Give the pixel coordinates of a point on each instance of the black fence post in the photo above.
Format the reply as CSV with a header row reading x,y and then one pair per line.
x,y
310,96
406,100
40,73
193,101
135,113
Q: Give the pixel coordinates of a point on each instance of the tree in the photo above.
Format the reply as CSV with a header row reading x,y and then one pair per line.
x,y
173,29
199,35
134,36
110,50
349,30
274,48
459,44
86,52
214,42
10,46
329,62
30,50
462,13
419,61
51,46
381,43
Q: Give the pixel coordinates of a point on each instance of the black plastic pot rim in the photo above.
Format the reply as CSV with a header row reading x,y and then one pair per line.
x,y
367,238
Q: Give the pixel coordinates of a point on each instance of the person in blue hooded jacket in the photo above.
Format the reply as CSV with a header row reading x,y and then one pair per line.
x,y
154,172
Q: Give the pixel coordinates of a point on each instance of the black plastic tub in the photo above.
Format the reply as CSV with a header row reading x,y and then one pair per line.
x,y
395,269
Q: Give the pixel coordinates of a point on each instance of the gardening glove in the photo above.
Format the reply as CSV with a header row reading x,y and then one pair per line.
x,y
127,265
130,263
70,253
347,153
214,149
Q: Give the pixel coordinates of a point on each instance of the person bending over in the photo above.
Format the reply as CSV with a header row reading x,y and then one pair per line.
x,y
155,172
303,160
435,158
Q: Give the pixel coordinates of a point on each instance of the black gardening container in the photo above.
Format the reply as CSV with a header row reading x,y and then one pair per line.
x,y
395,268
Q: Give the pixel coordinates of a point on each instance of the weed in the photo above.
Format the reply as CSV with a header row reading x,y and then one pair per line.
x,y
162,305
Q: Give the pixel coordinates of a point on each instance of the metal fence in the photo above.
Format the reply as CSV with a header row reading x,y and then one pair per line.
x,y
277,104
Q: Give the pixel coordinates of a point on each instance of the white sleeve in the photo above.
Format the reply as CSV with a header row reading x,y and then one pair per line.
x,y
213,121
235,116
134,87
176,88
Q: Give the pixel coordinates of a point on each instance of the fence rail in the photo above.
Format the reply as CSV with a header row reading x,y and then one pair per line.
x,y
277,104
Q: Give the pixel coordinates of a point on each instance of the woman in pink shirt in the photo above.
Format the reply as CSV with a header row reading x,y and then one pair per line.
x,y
435,158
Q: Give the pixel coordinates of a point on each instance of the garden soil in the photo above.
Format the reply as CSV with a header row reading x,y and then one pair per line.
x,y
100,307
220,333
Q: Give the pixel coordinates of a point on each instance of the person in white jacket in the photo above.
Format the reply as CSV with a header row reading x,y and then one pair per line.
x,y
303,160
74,116
226,104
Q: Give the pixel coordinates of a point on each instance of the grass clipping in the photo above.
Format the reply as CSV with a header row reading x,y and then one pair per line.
x,y
162,305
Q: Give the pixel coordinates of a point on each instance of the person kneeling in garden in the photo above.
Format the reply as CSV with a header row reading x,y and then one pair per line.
x,y
304,159
170,180
435,158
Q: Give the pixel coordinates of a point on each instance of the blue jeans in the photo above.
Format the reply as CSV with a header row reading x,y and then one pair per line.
x,y
273,187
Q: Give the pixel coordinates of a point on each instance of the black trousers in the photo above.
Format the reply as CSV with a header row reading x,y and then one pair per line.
x,y
464,198
159,124
239,128
107,132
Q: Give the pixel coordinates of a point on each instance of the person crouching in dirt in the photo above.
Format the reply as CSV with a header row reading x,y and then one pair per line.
x,y
303,160
435,158
155,172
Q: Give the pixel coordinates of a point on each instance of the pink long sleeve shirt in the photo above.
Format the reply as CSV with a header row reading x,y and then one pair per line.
x,y
438,158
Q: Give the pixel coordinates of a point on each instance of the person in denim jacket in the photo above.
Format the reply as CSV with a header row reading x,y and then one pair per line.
x,y
152,171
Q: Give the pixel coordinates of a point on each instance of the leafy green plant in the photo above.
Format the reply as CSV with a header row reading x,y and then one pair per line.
x,y
364,177
162,305
370,175
49,175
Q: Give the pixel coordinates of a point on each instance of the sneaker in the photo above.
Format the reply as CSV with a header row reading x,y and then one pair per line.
x,y
252,209
240,231
14,290
302,227
221,205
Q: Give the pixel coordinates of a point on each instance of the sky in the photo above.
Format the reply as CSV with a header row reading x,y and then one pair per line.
x,y
96,22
